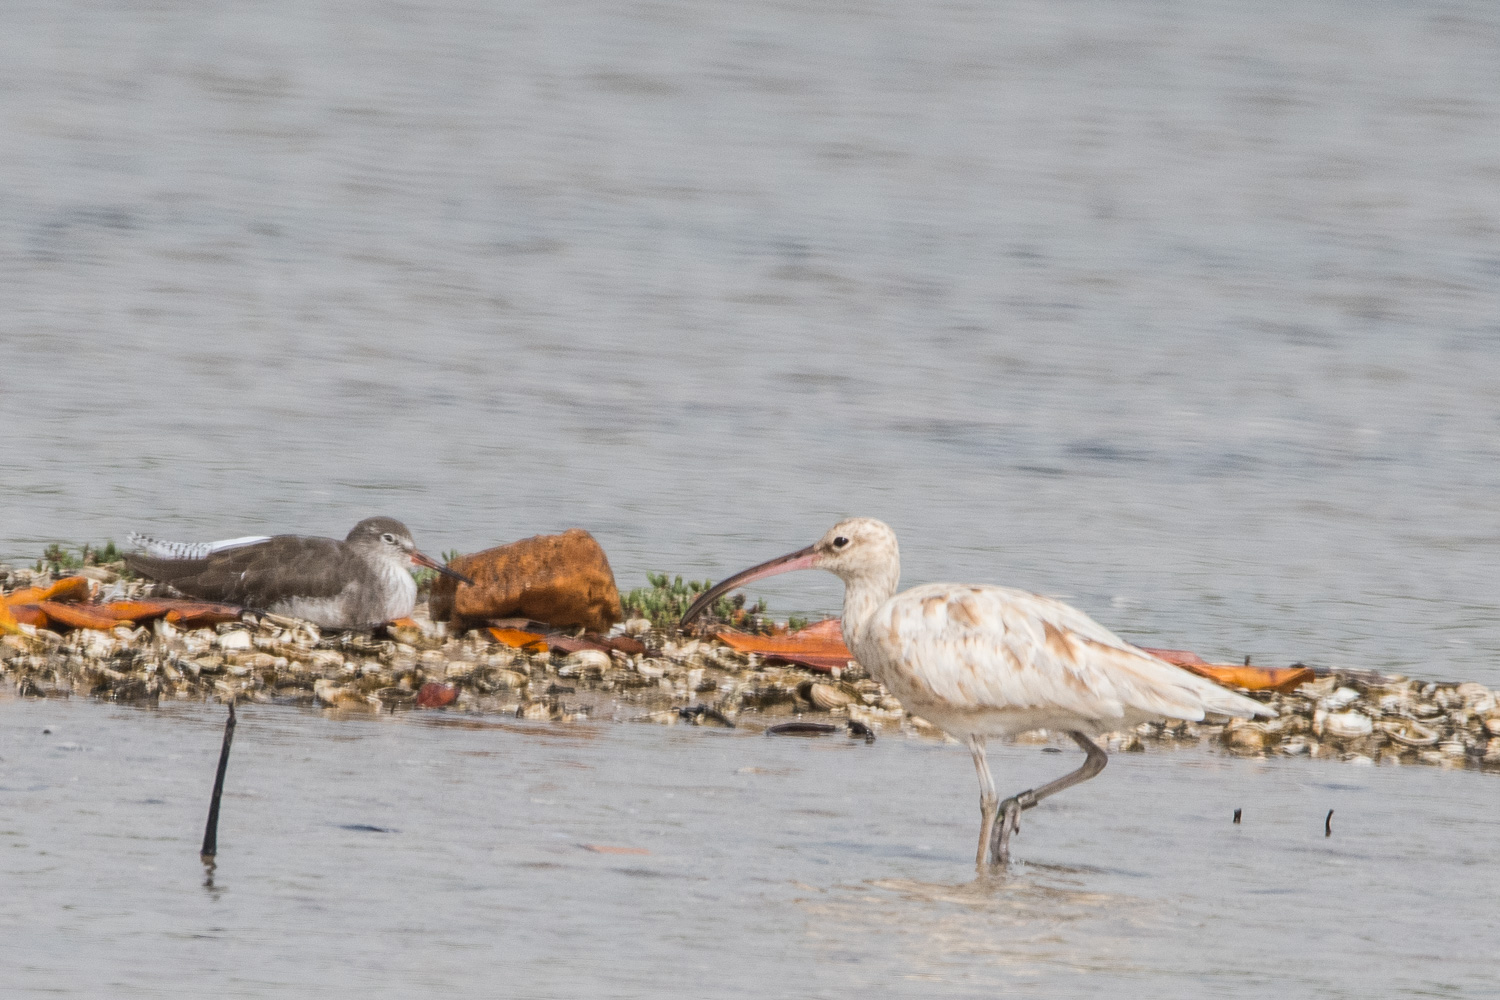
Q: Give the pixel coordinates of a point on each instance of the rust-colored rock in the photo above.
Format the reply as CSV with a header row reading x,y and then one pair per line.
x,y
562,580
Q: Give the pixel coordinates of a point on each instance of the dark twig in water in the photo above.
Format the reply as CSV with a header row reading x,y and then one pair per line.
x,y
1236,815
1328,824
696,713
858,729
211,831
802,729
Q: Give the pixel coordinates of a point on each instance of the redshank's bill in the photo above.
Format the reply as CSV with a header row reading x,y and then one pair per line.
x,y
363,581
980,661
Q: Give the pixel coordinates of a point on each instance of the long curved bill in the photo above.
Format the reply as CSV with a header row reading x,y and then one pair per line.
x,y
801,559
420,560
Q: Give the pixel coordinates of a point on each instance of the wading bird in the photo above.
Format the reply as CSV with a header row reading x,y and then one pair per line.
x,y
362,581
982,661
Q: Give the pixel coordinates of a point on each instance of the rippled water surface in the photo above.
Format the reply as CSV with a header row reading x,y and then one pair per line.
x,y
1187,312
441,855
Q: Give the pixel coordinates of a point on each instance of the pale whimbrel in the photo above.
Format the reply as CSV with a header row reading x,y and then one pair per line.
x,y
980,661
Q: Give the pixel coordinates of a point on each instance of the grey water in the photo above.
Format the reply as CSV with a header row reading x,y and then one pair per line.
x,y
1189,313
433,855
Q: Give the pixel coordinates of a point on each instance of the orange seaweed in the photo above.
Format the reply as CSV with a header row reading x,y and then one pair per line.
x,y
817,647
29,614
1233,674
823,639
74,588
200,614
179,612
136,611
531,642
1253,678
79,615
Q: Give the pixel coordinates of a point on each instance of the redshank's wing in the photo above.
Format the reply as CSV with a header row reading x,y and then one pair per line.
x,y
261,575
980,647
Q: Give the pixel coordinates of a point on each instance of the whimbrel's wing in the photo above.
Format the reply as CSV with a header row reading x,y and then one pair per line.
x,y
189,550
259,575
984,647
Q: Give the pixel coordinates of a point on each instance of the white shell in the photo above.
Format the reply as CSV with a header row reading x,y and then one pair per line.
x,y
237,639
827,697
1348,725
586,658
1477,698
1409,733
1342,698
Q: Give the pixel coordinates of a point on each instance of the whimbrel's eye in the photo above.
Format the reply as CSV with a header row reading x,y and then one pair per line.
x,y
840,542
388,538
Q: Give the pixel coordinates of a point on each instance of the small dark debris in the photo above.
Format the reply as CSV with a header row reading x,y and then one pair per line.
x,y
366,828
859,730
697,713
802,729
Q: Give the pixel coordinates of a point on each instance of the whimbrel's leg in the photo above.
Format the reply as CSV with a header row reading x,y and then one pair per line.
x,y
987,796
1010,810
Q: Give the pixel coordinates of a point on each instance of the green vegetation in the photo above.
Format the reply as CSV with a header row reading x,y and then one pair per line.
x,y
665,601
59,560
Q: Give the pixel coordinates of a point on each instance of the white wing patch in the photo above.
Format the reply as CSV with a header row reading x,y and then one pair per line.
x,y
955,648
189,550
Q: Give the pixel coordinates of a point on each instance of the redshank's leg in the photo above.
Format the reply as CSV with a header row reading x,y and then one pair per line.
x,y
987,796
1009,818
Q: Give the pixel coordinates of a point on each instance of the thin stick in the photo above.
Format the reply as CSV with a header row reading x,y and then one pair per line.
x,y
1328,824
211,831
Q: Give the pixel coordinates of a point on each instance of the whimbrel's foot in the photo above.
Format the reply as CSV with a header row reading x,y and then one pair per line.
x,y
1008,821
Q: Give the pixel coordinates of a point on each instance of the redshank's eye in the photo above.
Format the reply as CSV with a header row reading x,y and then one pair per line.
x,y
840,542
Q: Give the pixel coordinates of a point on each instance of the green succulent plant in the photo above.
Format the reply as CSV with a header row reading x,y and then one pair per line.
x,y
668,598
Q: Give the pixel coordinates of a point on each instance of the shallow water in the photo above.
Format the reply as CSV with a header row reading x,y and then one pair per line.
x,y
1186,312
438,854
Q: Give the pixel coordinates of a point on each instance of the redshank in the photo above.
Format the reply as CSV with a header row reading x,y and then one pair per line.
x,y
979,661
357,583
